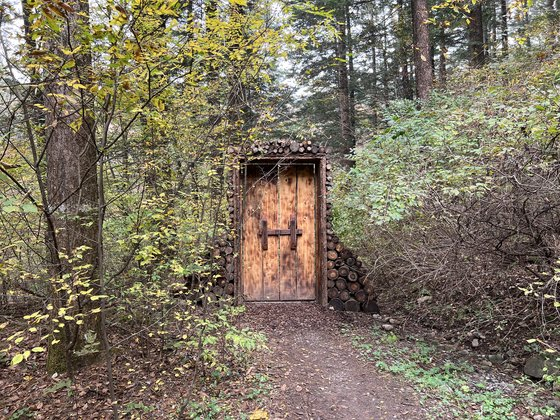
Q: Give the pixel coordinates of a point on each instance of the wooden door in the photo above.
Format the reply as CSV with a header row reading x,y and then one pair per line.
x,y
279,233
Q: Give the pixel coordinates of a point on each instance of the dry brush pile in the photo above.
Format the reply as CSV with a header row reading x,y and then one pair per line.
x,y
489,262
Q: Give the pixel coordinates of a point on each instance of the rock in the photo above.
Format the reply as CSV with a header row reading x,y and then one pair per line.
x,y
388,327
496,358
394,321
516,361
424,299
537,365
554,404
475,343
477,334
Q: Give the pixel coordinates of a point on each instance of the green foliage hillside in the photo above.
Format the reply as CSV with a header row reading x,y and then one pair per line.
x,y
460,200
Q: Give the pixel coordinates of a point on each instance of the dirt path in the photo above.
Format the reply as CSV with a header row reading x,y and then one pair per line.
x,y
315,373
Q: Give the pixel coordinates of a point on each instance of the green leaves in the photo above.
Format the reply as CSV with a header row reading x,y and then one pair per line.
x,y
29,208
20,357
15,206
17,359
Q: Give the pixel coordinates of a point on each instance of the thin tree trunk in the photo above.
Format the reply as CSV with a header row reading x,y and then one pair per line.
x,y
485,38
101,208
346,133
385,77
374,95
433,59
351,73
442,57
422,59
504,26
525,23
31,46
475,32
406,90
493,29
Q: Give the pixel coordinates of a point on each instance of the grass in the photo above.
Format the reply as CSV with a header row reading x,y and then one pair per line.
x,y
447,386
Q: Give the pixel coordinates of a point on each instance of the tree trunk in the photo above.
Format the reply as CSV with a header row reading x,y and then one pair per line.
x,y
493,23
504,26
385,67
73,197
526,24
485,38
475,32
351,73
442,57
374,94
407,91
346,131
422,60
35,96
402,56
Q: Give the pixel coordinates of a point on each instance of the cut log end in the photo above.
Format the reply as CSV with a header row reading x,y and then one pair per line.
x,y
340,284
360,296
352,305
336,304
352,276
332,255
370,307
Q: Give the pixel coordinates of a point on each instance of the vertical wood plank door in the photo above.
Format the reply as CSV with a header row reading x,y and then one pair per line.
x,y
279,233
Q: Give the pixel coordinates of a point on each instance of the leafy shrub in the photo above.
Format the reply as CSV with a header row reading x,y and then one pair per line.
x,y
460,200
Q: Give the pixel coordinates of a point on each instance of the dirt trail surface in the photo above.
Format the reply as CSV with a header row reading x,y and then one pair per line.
x,y
315,373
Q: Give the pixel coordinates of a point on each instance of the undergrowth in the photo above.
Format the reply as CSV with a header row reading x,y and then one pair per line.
x,y
458,199
225,404
446,384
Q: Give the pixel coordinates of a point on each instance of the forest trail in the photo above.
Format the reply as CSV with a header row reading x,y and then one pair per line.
x,y
316,374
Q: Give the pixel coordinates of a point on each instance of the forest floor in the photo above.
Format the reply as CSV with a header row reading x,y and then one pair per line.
x,y
322,364
315,373
318,364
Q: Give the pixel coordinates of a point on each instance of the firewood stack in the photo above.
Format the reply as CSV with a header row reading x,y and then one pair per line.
x,y
224,259
288,147
348,286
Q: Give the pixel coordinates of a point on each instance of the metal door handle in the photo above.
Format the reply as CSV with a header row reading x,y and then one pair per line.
x,y
293,233
264,233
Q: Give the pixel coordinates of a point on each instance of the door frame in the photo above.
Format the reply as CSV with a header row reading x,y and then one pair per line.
x,y
320,163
